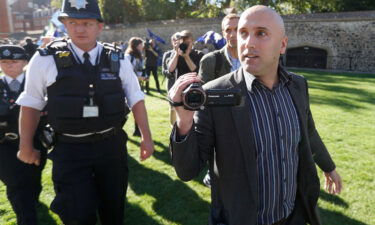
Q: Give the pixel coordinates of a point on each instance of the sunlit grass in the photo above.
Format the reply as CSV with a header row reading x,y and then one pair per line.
x,y
343,106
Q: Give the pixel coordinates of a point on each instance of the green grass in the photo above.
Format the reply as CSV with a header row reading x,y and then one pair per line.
x,y
343,106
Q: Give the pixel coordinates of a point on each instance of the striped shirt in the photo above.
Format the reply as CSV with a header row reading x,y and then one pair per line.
x,y
277,134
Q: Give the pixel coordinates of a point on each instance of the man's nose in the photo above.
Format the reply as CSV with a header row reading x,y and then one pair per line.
x,y
250,42
80,28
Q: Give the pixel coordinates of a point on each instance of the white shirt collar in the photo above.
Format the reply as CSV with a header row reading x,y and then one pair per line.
x,y
79,52
19,78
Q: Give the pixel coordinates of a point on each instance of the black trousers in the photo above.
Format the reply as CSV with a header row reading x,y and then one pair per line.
x,y
22,181
90,178
154,70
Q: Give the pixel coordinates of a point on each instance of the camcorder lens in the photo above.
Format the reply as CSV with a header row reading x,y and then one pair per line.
x,y
194,97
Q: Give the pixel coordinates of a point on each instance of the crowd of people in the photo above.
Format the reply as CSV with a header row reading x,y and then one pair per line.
x,y
261,154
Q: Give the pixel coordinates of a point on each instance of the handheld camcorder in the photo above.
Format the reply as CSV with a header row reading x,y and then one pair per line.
x,y
195,98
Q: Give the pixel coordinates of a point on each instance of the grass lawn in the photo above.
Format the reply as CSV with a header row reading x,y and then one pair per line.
x,y
343,106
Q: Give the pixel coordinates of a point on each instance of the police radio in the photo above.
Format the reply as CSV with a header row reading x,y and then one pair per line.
x,y
114,61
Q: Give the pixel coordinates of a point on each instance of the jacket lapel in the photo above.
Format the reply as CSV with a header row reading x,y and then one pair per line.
x,y
242,120
298,100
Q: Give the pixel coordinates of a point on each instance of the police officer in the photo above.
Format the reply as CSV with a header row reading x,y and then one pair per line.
x,y
23,181
88,85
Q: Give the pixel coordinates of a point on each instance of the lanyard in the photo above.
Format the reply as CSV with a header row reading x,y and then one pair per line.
x,y
91,73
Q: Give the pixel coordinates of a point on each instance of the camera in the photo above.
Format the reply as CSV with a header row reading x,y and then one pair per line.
x,y
183,47
147,43
195,98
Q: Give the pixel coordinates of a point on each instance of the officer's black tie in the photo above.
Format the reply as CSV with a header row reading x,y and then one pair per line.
x,y
86,62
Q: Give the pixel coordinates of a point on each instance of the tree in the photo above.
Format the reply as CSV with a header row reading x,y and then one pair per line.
x,y
56,4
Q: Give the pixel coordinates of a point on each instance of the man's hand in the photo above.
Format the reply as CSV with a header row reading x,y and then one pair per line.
x,y
333,182
184,117
29,156
147,148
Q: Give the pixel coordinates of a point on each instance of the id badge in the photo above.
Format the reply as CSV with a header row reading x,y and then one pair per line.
x,y
90,111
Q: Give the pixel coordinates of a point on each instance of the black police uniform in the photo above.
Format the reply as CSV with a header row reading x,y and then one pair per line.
x,y
23,181
87,111
89,169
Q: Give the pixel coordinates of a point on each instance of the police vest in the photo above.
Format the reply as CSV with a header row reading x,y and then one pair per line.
x,y
9,110
72,92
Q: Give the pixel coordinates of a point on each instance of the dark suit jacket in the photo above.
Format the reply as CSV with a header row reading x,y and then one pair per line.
x,y
208,65
223,136
165,71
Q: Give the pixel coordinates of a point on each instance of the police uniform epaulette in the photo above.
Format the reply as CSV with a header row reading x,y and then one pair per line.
x,y
111,47
52,47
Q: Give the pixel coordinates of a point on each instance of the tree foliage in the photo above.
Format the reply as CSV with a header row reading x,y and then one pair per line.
x,y
131,11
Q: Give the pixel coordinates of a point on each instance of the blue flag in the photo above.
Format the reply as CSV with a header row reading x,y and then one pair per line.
x,y
213,38
155,37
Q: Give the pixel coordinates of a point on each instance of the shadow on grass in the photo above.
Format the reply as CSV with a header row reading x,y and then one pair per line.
x,y
43,215
137,212
334,199
173,199
165,156
162,155
162,95
335,218
346,97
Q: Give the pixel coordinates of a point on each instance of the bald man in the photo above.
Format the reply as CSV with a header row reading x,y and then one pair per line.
x,y
262,154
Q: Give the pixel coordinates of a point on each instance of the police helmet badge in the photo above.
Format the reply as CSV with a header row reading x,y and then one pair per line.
x,y
78,4
80,9
13,52
6,53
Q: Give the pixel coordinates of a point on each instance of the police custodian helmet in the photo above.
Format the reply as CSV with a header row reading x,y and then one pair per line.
x,y
13,52
81,9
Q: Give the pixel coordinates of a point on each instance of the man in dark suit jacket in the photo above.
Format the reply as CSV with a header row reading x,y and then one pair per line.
x,y
220,62
262,152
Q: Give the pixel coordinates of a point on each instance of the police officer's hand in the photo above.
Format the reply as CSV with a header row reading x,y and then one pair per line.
x,y
147,148
31,156
184,117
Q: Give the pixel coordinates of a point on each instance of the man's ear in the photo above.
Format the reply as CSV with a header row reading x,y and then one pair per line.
x,y
284,44
101,26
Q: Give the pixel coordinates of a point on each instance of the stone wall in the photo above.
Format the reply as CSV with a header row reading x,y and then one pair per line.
x,y
348,38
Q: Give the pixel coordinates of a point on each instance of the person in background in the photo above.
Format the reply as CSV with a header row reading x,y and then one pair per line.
x,y
180,60
134,55
151,58
22,180
30,47
216,64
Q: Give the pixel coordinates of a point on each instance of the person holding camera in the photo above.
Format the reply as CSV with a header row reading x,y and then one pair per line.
x,y
182,59
151,58
262,152
22,181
